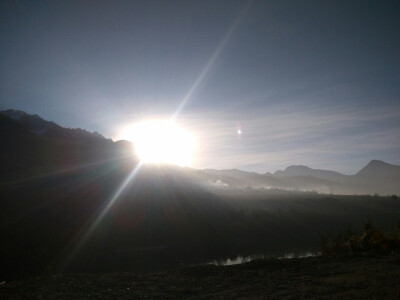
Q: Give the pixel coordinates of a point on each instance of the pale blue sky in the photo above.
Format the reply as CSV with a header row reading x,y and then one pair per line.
x,y
309,82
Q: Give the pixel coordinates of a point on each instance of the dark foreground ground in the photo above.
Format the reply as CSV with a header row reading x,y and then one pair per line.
x,y
367,277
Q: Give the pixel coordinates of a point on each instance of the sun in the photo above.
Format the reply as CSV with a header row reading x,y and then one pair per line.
x,y
161,141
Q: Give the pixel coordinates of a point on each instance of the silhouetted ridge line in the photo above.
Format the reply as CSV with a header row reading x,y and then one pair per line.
x,y
35,124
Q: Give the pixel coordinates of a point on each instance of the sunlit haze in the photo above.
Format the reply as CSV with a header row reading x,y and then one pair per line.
x,y
139,138
261,84
161,141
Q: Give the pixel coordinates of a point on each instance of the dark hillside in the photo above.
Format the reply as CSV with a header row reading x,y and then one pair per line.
x,y
45,220
69,204
25,154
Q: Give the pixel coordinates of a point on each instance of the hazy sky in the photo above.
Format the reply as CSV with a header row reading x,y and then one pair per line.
x,y
308,82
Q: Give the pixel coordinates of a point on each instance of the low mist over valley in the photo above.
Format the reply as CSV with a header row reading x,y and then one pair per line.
x,y
213,149
75,201
52,147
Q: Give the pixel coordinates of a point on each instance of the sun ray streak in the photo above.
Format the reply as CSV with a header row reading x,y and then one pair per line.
x,y
66,170
98,219
210,62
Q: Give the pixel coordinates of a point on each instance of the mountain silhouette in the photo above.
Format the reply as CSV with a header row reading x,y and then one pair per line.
x,y
306,171
39,126
375,177
32,145
379,169
56,183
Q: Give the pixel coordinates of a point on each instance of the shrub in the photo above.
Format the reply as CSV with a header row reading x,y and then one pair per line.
x,y
372,239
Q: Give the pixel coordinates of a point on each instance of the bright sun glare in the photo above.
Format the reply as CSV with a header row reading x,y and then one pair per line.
x,y
161,141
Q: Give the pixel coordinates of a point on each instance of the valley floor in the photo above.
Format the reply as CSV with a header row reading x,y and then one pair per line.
x,y
366,277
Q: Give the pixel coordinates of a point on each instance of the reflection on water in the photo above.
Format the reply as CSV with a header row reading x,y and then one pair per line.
x,y
235,261
294,255
245,259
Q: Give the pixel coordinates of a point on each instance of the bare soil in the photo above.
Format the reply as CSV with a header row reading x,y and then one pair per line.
x,y
362,277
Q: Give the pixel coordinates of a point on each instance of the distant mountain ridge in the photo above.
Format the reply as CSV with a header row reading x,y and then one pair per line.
x,y
53,187
306,171
29,143
378,168
56,183
39,126
376,177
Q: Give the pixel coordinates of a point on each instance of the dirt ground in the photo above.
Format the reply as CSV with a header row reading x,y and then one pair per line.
x,y
363,277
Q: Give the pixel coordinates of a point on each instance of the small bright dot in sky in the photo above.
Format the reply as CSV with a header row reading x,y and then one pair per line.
x,y
239,132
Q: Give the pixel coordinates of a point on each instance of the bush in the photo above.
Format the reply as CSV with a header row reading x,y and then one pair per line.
x,y
372,239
